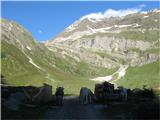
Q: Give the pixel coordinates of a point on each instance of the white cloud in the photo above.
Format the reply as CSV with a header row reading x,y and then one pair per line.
x,y
142,5
112,13
120,13
40,31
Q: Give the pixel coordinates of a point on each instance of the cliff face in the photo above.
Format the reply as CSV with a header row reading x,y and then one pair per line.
x,y
132,39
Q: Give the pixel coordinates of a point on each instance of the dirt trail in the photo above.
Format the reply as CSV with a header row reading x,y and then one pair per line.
x,y
71,109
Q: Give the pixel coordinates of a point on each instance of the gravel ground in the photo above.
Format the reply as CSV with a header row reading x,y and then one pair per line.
x,y
71,109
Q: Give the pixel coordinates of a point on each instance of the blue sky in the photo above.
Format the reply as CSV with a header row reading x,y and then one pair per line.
x,y
47,19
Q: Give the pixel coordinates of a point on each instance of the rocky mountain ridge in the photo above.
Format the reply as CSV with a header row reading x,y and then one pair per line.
x,y
86,26
131,39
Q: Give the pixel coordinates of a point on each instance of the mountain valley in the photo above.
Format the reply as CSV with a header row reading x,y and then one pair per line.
x,y
122,50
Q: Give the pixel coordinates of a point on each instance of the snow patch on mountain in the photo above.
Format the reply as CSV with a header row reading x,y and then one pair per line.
x,y
99,30
156,10
93,20
122,26
90,31
146,16
71,27
31,61
28,48
102,79
121,72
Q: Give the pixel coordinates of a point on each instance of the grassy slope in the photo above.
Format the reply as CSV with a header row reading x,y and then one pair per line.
x,y
148,74
81,69
16,68
19,72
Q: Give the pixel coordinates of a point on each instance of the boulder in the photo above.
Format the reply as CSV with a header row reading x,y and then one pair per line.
x,y
44,95
14,101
